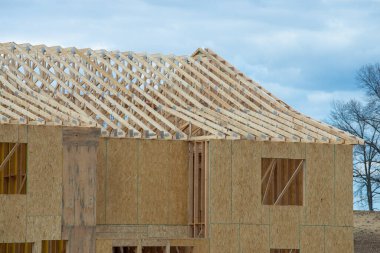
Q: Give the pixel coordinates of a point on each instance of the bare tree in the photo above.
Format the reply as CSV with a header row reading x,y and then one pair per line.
x,y
363,120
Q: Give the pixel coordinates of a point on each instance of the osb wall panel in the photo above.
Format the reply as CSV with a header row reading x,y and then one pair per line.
x,y
81,239
312,239
254,238
199,245
101,174
220,181
164,231
103,246
285,227
339,239
246,181
121,231
79,189
319,188
9,133
153,182
162,182
146,182
12,218
121,188
224,238
283,150
44,185
43,228
343,185
178,164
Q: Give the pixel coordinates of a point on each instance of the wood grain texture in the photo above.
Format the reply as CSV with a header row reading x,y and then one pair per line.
x,y
220,180
153,182
343,185
254,238
43,228
339,239
312,239
246,180
224,238
121,188
177,182
12,218
319,187
44,186
79,189
101,175
163,179
103,246
9,133
285,227
283,150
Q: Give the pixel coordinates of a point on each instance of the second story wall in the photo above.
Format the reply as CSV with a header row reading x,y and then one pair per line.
x,y
142,182
36,215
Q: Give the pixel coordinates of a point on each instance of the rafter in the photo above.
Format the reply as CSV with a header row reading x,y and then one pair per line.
x,y
133,95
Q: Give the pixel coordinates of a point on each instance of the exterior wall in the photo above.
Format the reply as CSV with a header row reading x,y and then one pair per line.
x,y
142,192
37,215
240,223
79,188
59,203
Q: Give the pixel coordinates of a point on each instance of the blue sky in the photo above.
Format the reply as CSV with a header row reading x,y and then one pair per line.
x,y
305,52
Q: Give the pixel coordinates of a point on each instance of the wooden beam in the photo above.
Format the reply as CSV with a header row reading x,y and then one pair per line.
x,y
289,182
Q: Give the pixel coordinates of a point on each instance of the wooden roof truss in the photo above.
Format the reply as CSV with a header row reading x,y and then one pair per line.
x,y
126,94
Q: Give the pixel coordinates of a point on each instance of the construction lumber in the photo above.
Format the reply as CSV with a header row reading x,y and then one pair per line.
x,y
134,95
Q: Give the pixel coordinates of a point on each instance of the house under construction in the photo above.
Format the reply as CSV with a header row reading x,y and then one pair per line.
x,y
121,152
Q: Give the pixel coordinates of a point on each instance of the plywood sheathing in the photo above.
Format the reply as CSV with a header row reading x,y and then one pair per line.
x,y
44,179
103,246
312,239
79,188
224,238
343,186
254,238
147,178
101,170
339,239
286,223
197,97
220,182
121,231
121,181
246,195
12,218
319,186
41,227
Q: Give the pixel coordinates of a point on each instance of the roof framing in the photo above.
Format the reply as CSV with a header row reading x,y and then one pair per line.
x,y
133,95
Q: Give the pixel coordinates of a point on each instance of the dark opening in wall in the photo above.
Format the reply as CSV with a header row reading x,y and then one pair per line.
x,y
181,249
284,251
160,249
13,168
16,247
128,249
54,246
282,181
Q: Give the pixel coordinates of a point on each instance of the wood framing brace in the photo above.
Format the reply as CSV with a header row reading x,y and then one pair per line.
x,y
282,181
197,189
126,94
13,168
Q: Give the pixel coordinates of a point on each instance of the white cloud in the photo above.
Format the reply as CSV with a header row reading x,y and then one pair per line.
x,y
308,51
